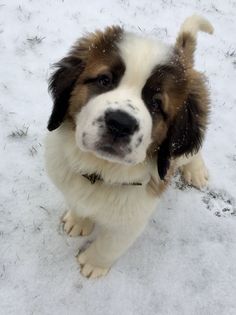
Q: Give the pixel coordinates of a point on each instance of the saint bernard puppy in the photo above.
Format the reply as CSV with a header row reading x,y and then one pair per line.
x,y
128,111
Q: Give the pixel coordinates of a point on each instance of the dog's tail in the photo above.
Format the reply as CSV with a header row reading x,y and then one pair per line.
x,y
187,37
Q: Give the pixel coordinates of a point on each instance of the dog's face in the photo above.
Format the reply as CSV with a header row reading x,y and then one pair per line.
x,y
124,101
128,96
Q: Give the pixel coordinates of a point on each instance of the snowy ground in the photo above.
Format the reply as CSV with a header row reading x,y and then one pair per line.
x,y
184,263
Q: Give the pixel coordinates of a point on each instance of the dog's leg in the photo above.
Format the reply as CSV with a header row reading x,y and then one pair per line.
x,y
194,170
97,259
75,226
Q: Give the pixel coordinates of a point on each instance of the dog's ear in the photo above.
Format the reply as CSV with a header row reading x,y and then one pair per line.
x,y
61,85
186,132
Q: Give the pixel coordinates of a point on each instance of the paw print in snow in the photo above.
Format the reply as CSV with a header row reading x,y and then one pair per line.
x,y
220,203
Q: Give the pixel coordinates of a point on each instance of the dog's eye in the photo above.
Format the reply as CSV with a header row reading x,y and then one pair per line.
x,y
104,80
156,102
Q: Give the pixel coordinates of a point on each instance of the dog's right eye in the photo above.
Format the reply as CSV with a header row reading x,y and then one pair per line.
x,y
104,80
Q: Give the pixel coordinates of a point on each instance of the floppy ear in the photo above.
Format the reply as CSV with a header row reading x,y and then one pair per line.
x,y
186,132
61,84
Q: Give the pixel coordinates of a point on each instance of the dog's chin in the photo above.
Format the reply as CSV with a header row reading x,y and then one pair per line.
x,y
113,158
109,153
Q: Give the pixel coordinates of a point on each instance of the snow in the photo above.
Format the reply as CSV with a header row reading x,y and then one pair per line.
x,y
184,263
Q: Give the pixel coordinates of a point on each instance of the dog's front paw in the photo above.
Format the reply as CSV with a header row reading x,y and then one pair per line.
x,y
75,226
196,175
88,268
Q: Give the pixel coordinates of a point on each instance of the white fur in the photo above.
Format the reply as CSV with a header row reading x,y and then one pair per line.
x,y
140,56
75,226
122,211
194,170
196,23
116,99
66,162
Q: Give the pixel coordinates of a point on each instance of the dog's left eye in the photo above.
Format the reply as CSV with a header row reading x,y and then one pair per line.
x,y
104,80
156,102
156,105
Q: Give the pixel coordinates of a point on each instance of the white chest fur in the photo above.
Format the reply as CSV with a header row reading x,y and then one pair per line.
x,y
108,202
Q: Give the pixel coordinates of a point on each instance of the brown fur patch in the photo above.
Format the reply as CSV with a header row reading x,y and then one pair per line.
x,y
187,130
99,44
82,91
99,52
94,54
180,121
171,83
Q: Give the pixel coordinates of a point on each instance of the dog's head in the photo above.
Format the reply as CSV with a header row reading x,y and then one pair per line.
x,y
128,96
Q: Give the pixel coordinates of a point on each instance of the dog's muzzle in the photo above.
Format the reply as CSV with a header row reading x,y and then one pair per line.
x,y
119,127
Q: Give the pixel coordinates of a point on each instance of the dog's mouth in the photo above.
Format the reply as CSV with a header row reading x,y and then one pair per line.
x,y
113,150
107,146
110,149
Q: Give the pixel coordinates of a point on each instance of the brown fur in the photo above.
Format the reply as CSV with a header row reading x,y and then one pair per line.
x,y
179,125
185,106
90,56
99,53
193,83
172,83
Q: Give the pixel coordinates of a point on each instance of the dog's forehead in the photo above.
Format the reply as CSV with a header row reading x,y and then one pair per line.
x,y
141,55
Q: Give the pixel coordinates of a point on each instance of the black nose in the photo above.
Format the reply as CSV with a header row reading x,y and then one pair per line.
x,y
120,124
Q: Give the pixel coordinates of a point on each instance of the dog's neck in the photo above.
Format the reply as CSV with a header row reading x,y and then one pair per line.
x,y
93,178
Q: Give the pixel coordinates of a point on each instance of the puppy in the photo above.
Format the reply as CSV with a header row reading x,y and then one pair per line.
x,y
128,110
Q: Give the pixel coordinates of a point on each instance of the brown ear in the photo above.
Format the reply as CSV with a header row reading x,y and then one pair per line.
x,y
186,133
61,84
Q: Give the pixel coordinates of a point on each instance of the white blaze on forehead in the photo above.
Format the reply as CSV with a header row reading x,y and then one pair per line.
x,y
140,56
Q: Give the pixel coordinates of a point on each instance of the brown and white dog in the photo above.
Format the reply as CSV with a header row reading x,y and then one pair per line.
x,y
127,111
